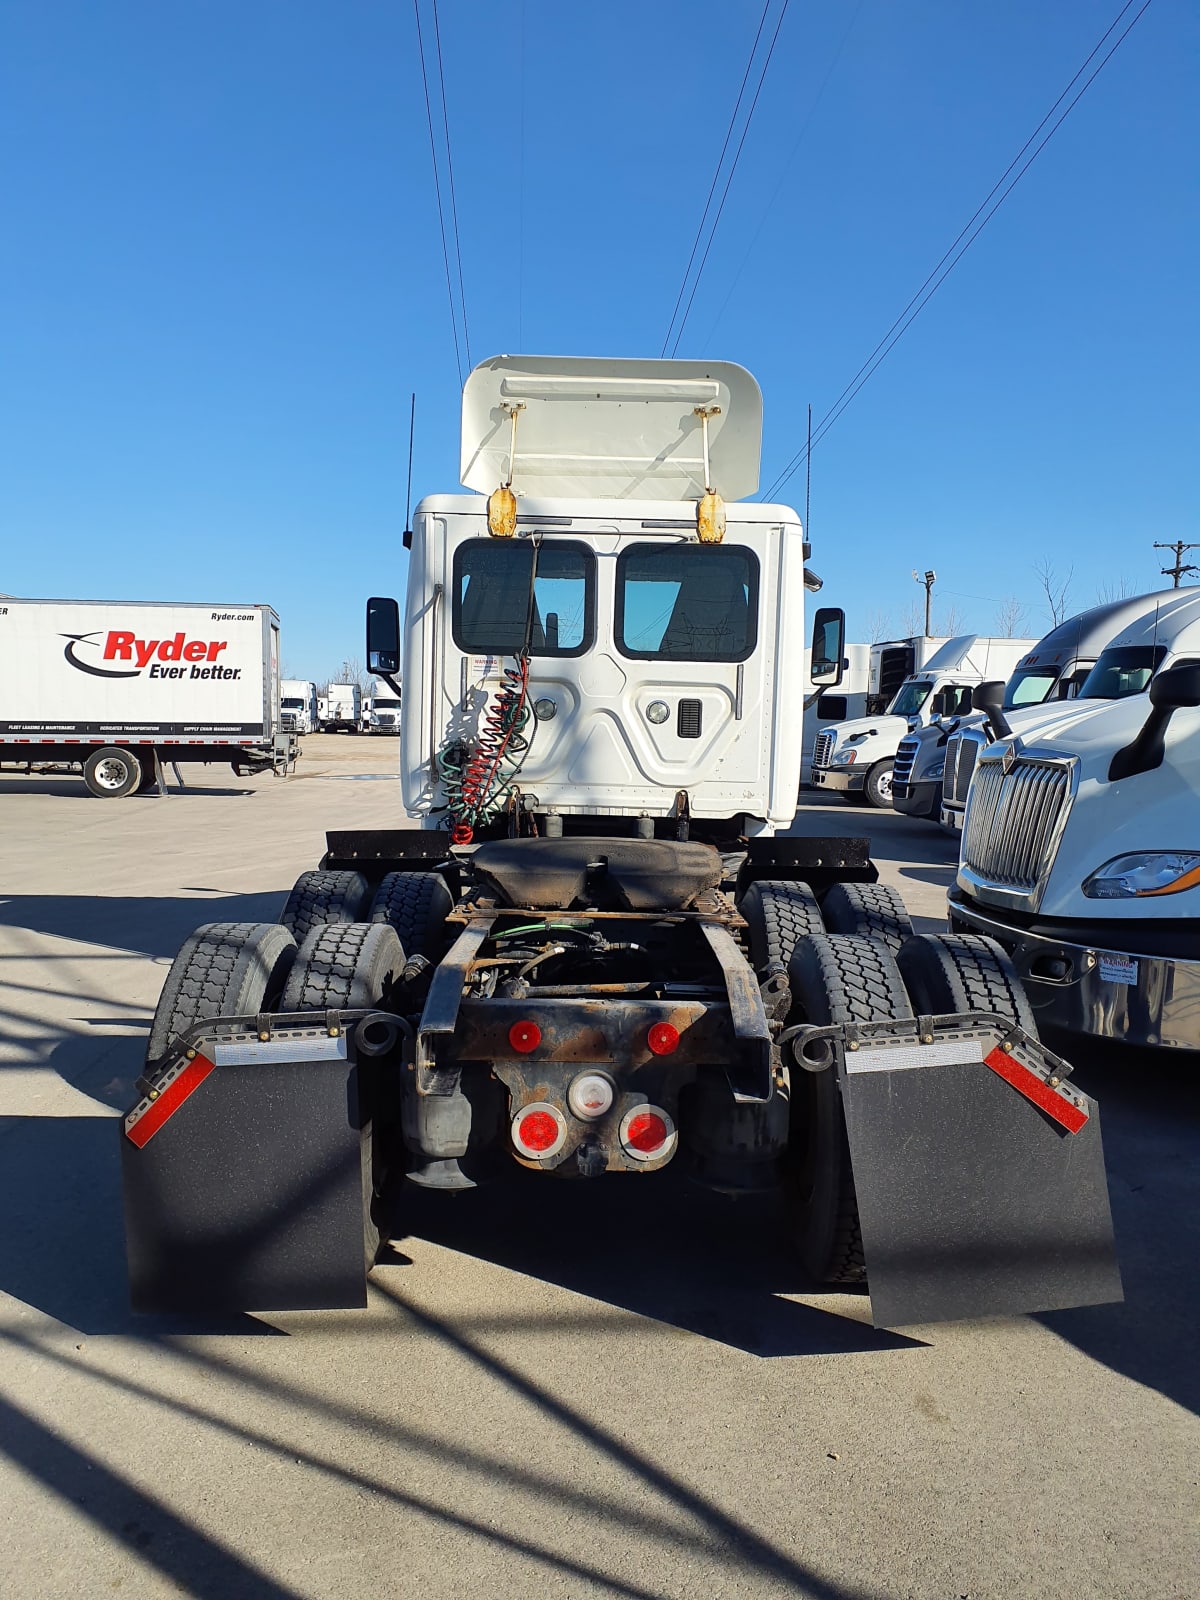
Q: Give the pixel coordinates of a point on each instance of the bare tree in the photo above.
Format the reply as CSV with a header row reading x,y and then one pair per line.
x,y
351,671
1055,588
1114,589
952,621
912,622
1010,617
876,627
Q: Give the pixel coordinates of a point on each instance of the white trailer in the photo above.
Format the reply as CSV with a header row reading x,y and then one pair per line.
x,y
116,688
856,758
343,709
298,705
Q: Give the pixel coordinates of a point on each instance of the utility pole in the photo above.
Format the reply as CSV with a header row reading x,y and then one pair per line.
x,y
1177,571
928,580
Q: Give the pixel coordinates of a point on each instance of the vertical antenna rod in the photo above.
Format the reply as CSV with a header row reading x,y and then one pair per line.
x,y
808,473
412,423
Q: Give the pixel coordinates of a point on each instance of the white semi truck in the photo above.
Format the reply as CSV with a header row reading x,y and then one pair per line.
x,y
298,705
114,689
856,758
845,702
381,710
934,764
1081,847
343,709
597,949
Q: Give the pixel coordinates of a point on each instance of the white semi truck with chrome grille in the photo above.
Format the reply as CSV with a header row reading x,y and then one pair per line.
x,y
1081,848
596,950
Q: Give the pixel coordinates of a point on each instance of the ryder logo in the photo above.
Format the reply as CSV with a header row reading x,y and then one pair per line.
x,y
130,656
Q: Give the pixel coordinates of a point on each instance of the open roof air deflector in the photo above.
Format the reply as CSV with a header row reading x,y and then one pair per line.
x,y
611,430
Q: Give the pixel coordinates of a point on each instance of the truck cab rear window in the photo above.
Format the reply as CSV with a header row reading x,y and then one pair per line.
x,y
687,602
500,602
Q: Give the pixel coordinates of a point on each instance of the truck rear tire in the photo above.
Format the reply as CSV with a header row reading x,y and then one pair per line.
x,y
877,791
867,911
834,978
342,968
318,898
778,914
946,972
111,773
416,905
226,969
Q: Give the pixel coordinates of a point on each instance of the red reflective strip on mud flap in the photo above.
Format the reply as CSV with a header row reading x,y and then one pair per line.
x,y
1045,1096
141,1126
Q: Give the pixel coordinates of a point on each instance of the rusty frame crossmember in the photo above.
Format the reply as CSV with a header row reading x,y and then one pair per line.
x,y
587,1029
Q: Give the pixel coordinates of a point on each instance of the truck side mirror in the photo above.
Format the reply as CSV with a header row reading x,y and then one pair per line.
x,y
989,698
1178,686
383,637
828,647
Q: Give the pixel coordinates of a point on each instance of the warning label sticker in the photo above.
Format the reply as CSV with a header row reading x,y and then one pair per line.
x,y
1118,969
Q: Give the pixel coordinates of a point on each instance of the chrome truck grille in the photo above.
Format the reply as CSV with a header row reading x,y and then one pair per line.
x,y
822,750
962,749
1013,822
905,756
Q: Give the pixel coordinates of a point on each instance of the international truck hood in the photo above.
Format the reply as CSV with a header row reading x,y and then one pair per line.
x,y
605,429
1156,810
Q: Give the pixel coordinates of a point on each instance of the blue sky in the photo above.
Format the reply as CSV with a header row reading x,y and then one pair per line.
x,y
222,278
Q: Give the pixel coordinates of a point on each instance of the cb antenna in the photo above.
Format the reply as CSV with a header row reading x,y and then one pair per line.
x,y
808,473
412,423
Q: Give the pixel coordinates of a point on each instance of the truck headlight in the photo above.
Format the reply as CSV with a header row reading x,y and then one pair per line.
x,y
937,770
1151,872
845,758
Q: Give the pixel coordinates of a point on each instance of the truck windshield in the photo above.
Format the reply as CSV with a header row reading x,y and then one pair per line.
x,y
498,610
1121,671
381,704
910,699
687,602
292,704
1032,687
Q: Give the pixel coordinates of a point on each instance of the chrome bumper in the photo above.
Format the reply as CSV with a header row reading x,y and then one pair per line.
x,y
840,778
1136,999
952,818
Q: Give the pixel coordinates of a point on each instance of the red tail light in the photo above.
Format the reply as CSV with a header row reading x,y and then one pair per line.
x,y
539,1130
524,1037
663,1039
647,1133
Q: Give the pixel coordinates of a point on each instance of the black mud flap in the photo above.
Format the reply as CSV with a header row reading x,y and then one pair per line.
x,y
245,1173
979,1174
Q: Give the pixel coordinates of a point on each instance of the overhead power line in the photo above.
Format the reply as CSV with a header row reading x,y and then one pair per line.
x,y
457,307
712,226
995,198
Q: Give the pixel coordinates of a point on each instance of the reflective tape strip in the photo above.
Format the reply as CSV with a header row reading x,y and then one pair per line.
x,y
945,1053
1054,1102
148,1116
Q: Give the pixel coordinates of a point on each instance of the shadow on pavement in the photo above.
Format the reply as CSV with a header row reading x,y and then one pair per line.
x,y
139,924
1150,1115
661,1248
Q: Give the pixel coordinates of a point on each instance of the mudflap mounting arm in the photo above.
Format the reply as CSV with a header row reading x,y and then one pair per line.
x,y
440,1016
749,1073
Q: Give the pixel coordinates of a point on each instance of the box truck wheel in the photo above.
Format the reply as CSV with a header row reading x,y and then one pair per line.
x,y
878,788
416,905
869,911
778,914
226,969
321,897
341,967
111,773
834,978
964,972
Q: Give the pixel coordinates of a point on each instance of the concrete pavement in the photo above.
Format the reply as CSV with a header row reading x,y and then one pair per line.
x,y
624,1390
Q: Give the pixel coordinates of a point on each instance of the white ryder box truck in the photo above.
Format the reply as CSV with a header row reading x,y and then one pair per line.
x,y
118,687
